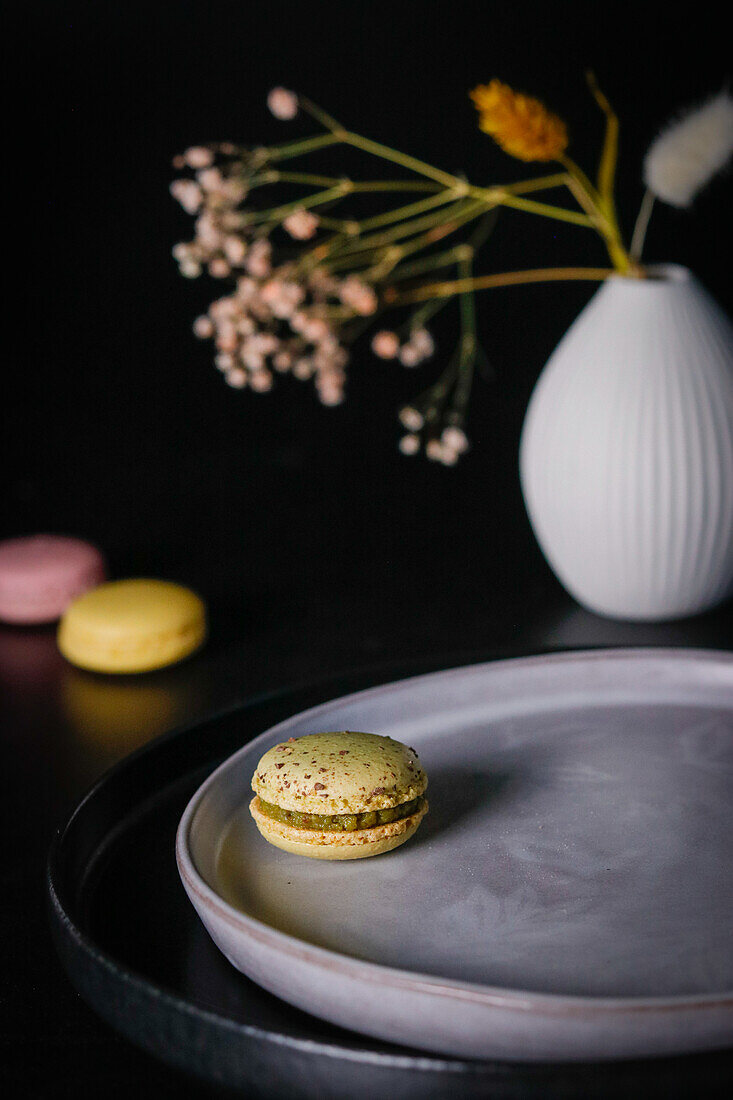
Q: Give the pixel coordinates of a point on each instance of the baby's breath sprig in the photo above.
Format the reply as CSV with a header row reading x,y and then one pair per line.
x,y
308,271
307,279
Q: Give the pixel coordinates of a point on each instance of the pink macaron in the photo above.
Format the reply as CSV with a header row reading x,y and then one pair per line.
x,y
42,574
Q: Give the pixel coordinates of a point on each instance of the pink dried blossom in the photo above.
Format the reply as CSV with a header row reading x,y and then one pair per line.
x,y
182,252
409,444
251,356
322,284
188,194
235,250
455,439
328,359
438,452
283,104
227,338
219,268
246,289
236,377
301,224
228,219
366,303
265,342
257,260
386,344
221,308
331,397
232,191
411,419
198,157
261,381
210,179
190,269
358,295
282,297
208,234
423,342
303,368
259,310
316,330
283,361
410,356
330,387
420,346
203,328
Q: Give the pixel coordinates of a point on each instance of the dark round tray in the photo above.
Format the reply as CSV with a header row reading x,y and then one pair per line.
x,y
134,948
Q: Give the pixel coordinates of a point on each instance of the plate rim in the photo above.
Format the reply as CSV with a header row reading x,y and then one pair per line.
x,y
494,997
68,934
73,943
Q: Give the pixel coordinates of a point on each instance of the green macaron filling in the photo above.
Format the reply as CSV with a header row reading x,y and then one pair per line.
x,y
341,823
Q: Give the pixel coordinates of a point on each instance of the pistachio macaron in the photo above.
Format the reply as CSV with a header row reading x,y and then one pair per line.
x,y
339,795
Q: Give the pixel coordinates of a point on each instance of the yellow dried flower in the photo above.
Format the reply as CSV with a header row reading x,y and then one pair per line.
x,y
521,125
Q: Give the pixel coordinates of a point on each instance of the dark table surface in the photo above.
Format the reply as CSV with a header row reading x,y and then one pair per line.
x,y
317,546
61,728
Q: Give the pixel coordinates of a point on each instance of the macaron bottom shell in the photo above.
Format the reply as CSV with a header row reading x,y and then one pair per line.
x,y
325,844
134,655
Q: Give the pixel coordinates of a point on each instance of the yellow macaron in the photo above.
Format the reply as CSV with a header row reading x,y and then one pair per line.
x,y
132,626
340,795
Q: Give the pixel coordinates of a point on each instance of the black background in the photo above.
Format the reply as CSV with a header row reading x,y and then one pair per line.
x,y
318,546
129,435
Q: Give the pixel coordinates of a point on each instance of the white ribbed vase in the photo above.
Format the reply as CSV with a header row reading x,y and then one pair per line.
x,y
626,455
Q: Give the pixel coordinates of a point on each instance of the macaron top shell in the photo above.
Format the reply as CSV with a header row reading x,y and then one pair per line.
x,y
338,773
41,574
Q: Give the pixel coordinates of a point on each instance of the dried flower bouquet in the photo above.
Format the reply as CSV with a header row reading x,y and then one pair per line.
x,y
308,276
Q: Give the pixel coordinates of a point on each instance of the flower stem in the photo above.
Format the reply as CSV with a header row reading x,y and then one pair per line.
x,y
547,210
399,213
642,224
506,278
397,185
459,252
403,159
431,263
431,401
410,228
275,175
421,316
320,115
609,155
299,148
601,216
467,356
318,198
395,252
557,179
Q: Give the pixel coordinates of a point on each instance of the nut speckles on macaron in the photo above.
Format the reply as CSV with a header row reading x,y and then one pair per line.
x,y
340,772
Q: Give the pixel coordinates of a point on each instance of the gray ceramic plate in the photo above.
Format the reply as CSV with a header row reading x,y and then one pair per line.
x,y
569,896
